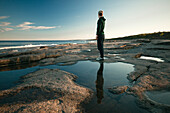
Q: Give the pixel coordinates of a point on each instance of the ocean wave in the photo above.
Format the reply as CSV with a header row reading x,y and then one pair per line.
x,y
26,46
92,41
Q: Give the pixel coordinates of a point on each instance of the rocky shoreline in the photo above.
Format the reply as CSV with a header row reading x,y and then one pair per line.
x,y
148,75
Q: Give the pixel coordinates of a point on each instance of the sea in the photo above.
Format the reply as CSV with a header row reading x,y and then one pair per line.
x,y
4,45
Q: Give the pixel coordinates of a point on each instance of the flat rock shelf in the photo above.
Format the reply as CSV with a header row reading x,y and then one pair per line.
x,y
127,81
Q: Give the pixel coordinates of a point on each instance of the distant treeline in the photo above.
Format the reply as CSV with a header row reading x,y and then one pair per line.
x,y
155,35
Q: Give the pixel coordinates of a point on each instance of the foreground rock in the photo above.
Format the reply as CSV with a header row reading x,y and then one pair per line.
x,y
118,89
47,90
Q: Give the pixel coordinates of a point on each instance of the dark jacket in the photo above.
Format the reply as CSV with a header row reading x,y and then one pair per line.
x,y
100,26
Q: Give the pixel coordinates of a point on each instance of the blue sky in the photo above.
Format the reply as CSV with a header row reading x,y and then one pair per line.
x,y
77,19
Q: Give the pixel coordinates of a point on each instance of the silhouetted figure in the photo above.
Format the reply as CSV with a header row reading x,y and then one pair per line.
x,y
100,36
99,84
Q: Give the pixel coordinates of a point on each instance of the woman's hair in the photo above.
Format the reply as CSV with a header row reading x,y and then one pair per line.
x,y
100,13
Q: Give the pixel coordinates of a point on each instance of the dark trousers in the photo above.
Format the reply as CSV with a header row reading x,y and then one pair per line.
x,y
100,41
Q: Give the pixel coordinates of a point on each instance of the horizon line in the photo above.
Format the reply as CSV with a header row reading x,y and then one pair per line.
x,y
87,39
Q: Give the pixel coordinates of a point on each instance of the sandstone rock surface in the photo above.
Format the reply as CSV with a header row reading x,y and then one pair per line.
x,y
46,90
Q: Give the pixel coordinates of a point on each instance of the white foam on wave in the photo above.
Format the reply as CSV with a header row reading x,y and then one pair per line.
x,y
26,46
53,44
92,41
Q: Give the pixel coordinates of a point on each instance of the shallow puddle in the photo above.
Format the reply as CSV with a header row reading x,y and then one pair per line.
x,y
9,78
151,58
97,76
159,96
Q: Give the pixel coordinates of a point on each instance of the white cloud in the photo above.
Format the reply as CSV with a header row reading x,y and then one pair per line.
x,y
26,26
43,27
23,26
3,17
4,23
6,29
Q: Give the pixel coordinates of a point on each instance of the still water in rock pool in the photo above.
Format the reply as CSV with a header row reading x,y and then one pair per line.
x,y
161,96
97,76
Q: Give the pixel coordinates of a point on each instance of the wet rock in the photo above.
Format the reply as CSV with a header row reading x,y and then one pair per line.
x,y
144,40
44,47
124,47
118,89
139,71
21,59
163,43
138,55
158,49
159,96
52,55
67,63
26,52
152,106
62,59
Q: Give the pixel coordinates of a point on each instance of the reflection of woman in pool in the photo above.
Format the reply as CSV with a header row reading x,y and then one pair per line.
x,y
99,84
